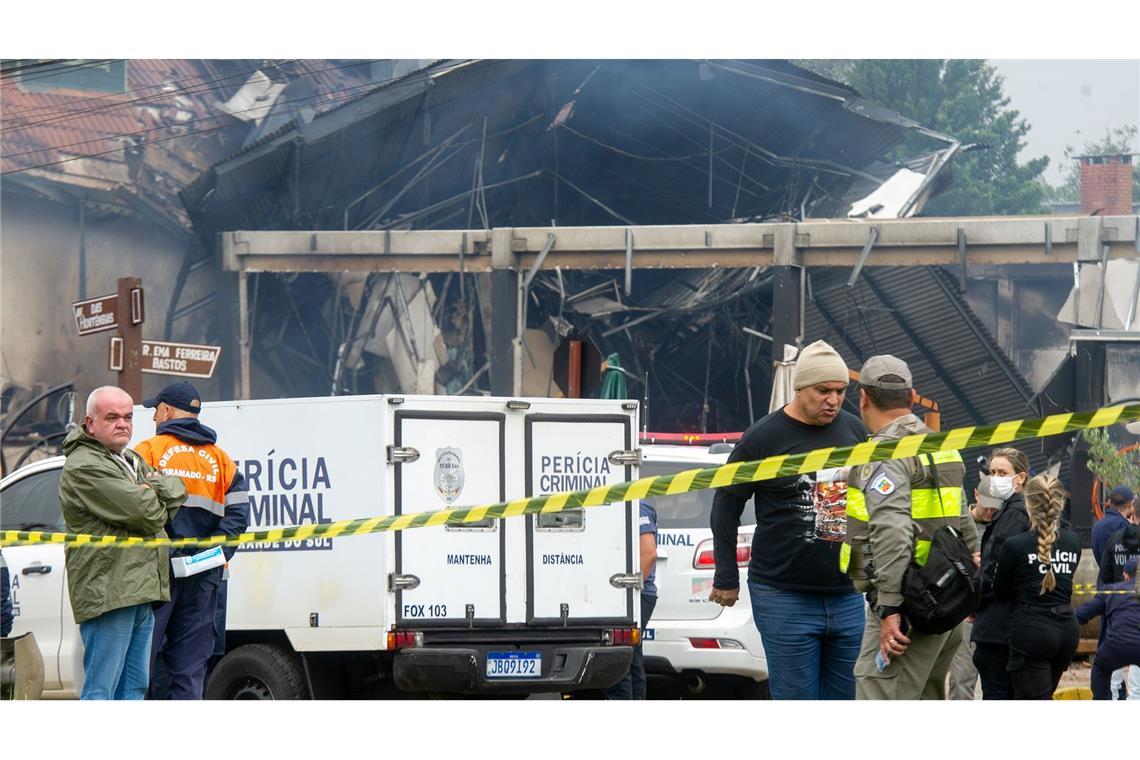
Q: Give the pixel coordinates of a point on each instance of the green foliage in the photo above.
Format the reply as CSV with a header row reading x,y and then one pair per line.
x,y
1113,468
963,99
1119,140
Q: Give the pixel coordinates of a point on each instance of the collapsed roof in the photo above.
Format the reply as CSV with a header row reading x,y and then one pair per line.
x,y
487,143
514,143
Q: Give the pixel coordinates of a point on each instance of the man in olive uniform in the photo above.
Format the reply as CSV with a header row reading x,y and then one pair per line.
x,y
893,509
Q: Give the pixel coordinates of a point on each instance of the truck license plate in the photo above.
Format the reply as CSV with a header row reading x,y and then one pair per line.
x,y
514,664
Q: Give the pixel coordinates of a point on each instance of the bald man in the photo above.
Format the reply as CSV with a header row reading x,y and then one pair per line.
x,y
108,490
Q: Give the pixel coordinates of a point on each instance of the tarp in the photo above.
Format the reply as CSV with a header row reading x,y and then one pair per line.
x,y
613,384
782,390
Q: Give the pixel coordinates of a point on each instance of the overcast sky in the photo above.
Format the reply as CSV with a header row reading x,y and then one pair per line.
x,y
1069,102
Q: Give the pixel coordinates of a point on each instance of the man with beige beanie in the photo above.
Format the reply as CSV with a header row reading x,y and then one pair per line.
x,y
809,615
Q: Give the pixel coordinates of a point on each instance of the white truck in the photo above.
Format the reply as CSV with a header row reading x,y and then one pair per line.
x,y
525,604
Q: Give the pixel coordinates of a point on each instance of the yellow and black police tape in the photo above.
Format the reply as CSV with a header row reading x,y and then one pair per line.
x,y
681,482
1088,589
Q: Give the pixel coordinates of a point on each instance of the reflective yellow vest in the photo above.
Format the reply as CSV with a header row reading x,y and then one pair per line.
x,y
934,502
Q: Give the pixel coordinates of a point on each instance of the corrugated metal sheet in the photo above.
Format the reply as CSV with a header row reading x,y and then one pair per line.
x,y
910,312
916,314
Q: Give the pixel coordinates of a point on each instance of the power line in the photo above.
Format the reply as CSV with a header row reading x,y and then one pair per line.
x,y
47,68
22,64
155,99
123,135
206,130
150,99
62,69
86,109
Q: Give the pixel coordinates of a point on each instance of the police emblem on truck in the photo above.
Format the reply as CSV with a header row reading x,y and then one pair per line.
x,y
448,474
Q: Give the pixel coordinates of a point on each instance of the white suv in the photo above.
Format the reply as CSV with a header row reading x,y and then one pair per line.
x,y
711,650
30,498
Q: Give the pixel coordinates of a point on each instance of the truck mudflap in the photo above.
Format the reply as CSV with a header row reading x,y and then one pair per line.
x,y
477,668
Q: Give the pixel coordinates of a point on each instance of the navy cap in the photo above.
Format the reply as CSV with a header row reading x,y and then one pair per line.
x,y
1120,495
181,395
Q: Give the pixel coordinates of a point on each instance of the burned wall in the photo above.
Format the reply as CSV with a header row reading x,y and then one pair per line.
x,y
39,260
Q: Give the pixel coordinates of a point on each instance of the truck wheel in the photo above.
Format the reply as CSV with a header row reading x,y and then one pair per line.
x,y
257,671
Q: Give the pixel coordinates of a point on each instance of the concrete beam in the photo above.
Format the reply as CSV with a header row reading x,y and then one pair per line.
x,y
817,243
787,295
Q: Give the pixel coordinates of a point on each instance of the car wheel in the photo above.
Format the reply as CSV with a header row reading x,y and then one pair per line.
x,y
257,671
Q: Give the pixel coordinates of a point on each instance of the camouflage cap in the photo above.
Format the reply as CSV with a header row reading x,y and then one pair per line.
x,y
877,367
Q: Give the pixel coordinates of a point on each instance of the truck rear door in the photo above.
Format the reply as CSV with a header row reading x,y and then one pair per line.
x,y
451,457
573,555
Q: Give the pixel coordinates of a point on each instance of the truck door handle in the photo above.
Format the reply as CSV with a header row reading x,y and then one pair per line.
x,y
34,569
626,580
402,582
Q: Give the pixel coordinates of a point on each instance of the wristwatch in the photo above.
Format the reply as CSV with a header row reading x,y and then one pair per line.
x,y
885,612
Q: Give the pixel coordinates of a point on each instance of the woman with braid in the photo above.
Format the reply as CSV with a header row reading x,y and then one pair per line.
x,y
1035,571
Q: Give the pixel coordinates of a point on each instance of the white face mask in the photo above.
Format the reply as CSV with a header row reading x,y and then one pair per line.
x,y
1001,487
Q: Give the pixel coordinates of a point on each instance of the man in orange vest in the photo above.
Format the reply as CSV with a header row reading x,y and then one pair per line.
x,y
216,503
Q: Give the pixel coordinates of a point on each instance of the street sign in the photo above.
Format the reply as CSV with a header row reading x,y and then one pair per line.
x,y
96,314
185,359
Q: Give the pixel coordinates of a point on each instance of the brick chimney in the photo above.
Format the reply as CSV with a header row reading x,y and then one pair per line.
x,y
1106,185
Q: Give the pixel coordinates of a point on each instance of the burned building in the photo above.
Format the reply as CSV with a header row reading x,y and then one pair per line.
x,y
478,144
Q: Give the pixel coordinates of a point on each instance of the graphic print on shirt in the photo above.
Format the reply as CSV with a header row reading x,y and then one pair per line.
x,y
822,500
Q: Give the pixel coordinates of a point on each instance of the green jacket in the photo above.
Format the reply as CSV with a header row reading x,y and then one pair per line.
x,y
98,497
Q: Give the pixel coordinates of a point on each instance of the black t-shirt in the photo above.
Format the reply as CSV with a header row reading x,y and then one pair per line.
x,y
1019,573
800,521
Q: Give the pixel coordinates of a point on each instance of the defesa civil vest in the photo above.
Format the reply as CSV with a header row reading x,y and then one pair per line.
x,y
206,470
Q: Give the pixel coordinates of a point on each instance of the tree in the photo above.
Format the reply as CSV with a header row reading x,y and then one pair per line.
x,y
1115,141
1111,466
962,99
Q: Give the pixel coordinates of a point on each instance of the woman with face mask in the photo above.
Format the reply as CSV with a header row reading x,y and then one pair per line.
x,y
1008,473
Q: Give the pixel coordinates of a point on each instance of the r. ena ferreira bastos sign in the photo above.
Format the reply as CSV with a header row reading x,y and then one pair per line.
x,y
184,359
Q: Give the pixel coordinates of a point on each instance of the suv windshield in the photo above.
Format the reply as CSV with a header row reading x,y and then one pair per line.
x,y
686,510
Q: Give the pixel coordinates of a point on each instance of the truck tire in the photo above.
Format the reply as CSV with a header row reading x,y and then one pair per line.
x,y
257,671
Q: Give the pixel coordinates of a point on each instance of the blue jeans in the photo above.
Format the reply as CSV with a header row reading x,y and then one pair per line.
x,y
811,641
116,653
